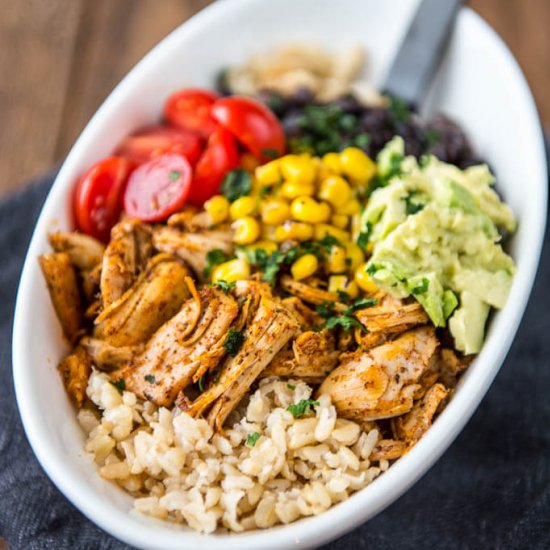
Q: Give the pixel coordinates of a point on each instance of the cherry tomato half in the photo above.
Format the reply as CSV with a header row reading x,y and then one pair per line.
x,y
220,156
158,140
158,188
253,124
97,200
190,109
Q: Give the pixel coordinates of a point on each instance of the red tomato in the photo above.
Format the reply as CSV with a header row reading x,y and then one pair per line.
x,y
253,124
190,109
158,188
158,140
220,156
97,202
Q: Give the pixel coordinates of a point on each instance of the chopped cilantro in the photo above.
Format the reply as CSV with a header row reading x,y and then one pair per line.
x,y
224,286
233,341
373,268
291,387
252,439
236,183
360,303
346,322
302,407
264,190
328,241
214,258
174,175
119,384
343,296
364,236
413,204
325,309
421,288
150,378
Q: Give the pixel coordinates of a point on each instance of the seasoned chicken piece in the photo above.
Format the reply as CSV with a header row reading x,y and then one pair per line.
x,y
412,426
191,220
309,319
84,251
386,320
75,370
90,285
311,357
155,297
309,293
125,258
190,342
193,247
62,284
388,449
381,382
270,328
107,357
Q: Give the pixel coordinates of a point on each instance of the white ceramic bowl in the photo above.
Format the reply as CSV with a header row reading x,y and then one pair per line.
x,y
479,84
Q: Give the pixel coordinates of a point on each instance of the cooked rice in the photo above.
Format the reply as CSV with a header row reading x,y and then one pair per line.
x,y
178,469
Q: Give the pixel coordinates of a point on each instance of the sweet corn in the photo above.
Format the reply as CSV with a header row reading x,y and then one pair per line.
x,y
335,190
306,209
324,229
268,174
350,208
233,270
332,162
243,206
245,230
340,220
298,168
249,162
291,189
304,266
218,208
336,261
342,283
354,254
274,211
294,231
363,280
357,165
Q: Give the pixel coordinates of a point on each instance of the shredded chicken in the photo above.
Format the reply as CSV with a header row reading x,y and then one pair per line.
x,y
106,356
381,382
190,342
75,370
154,298
309,293
193,247
84,251
61,279
388,449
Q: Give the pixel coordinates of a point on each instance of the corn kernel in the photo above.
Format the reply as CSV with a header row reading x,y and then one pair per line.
x,y
340,220
249,162
274,211
304,267
268,174
324,229
243,206
357,165
354,254
294,231
363,280
233,270
291,189
306,209
350,208
335,190
332,162
298,168
336,261
245,230
342,283
218,208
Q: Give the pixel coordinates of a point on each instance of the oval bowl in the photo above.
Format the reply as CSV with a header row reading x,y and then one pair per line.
x,y
479,84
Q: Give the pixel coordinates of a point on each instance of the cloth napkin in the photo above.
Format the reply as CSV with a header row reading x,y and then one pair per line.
x,y
491,489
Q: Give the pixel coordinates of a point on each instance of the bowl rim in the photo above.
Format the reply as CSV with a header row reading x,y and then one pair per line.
x,y
338,519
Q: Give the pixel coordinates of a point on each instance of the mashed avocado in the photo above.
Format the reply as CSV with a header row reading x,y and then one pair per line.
x,y
435,235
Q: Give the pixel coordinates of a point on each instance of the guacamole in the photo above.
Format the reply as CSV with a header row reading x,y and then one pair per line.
x,y
435,232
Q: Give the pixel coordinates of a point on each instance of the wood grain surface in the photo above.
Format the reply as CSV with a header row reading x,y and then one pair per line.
x,y
60,58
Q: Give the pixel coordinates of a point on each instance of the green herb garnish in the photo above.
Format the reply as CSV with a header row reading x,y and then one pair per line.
x,y
236,183
214,258
373,268
233,342
252,439
150,378
224,286
291,387
174,175
360,303
302,407
413,204
421,288
346,322
343,296
325,309
119,384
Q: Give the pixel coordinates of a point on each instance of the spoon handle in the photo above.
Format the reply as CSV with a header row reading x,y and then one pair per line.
x,y
422,50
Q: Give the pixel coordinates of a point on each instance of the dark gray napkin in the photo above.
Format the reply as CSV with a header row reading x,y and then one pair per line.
x,y
491,489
